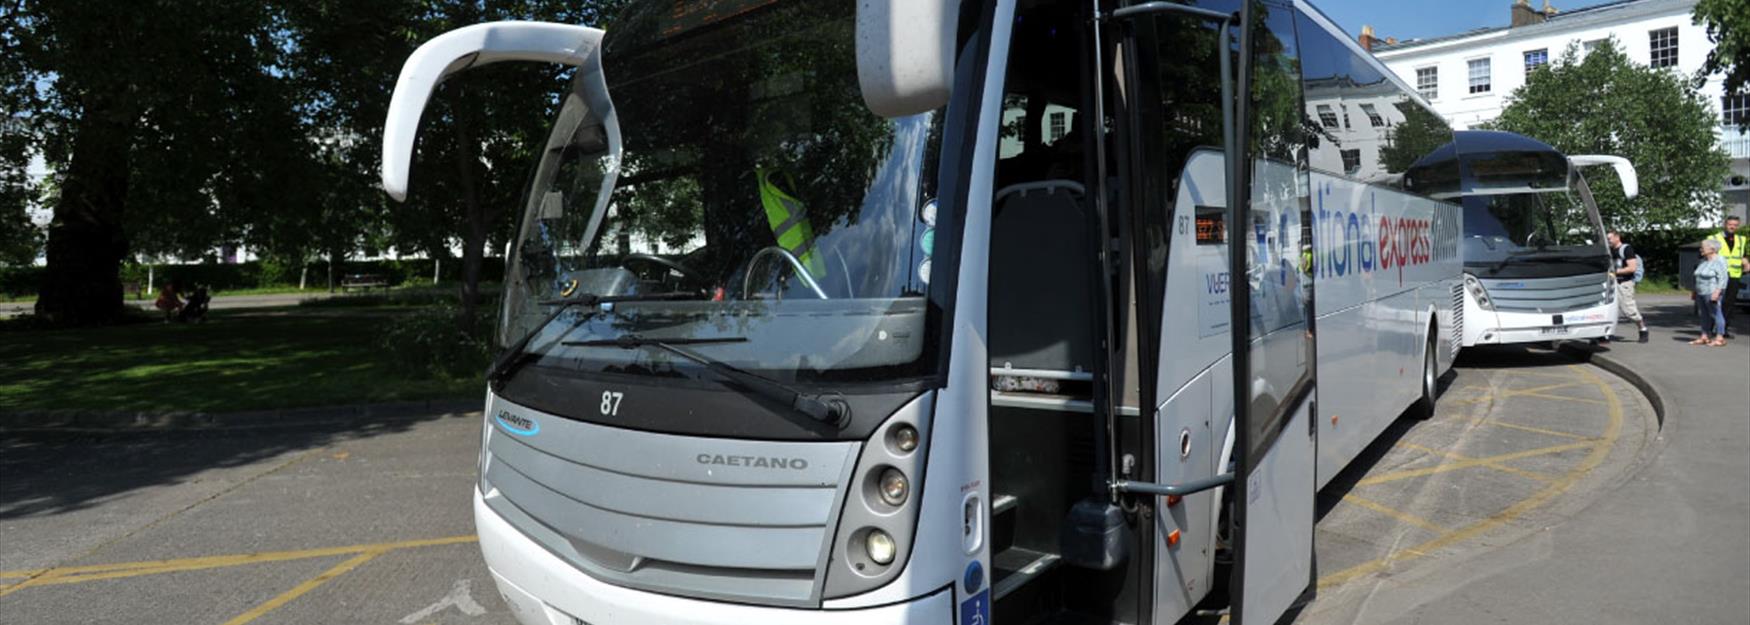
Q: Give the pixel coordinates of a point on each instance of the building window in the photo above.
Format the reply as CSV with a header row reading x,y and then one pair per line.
x,y
1534,58
1479,75
1735,110
1664,47
1428,81
1589,46
1327,116
1373,117
1058,127
1351,160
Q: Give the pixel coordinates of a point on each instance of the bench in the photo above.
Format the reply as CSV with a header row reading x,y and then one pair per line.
x,y
364,281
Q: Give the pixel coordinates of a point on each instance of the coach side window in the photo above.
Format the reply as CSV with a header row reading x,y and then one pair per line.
x,y
1324,68
1409,148
1368,90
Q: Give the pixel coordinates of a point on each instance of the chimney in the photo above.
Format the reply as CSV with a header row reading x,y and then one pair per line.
x,y
1391,41
1366,39
1548,11
1524,15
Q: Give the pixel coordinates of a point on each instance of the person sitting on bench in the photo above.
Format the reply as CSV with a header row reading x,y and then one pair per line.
x,y
195,310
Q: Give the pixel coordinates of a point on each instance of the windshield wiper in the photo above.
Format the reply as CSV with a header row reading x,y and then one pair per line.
x,y
518,354
830,408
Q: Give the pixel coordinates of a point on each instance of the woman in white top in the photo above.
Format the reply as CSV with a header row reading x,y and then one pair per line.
x,y
1710,285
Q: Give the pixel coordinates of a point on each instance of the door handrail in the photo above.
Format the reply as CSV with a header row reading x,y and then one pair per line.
x,y
1173,490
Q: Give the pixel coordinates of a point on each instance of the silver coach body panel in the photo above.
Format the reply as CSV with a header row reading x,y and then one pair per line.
x,y
715,518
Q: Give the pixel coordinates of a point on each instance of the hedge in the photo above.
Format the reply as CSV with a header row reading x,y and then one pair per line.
x,y
20,281
1659,248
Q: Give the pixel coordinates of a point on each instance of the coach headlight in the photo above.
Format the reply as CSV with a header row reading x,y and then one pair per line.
x,y
1475,288
1609,289
894,487
877,524
880,547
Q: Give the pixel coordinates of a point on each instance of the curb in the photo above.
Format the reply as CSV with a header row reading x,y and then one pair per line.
x,y
352,414
1649,388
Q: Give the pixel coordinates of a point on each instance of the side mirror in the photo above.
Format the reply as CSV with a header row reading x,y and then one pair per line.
x,y
905,54
1631,182
458,50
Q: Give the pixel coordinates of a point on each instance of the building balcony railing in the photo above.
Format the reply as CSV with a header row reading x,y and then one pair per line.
x,y
1737,140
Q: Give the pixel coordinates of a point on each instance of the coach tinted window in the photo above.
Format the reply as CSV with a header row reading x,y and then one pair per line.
x,y
1324,67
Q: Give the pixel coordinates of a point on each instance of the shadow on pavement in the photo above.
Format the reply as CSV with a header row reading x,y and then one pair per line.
x,y
1481,358
53,472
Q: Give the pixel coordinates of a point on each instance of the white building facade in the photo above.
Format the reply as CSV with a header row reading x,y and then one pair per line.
x,y
1468,77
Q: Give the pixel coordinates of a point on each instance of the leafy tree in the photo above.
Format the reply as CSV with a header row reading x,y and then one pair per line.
x,y
1728,27
481,132
1606,104
19,238
155,116
1419,134
177,125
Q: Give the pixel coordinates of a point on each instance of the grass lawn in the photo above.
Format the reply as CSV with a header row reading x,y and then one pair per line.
x,y
243,360
1659,286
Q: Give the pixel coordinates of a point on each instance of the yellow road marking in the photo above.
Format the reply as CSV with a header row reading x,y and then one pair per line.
x,y
1538,430
1493,465
1600,449
1396,514
94,572
1560,397
1493,389
1465,464
1536,391
1546,374
1540,389
299,590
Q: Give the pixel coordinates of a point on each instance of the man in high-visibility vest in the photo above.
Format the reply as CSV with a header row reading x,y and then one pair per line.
x,y
1732,249
789,220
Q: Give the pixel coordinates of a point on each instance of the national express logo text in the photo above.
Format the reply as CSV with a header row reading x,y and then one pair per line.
x,y
1364,242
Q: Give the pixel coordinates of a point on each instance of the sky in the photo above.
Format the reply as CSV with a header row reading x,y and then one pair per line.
x,y
1410,19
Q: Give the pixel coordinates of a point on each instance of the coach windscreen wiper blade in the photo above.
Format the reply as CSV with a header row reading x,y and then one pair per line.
x,y
518,354
829,408
1527,255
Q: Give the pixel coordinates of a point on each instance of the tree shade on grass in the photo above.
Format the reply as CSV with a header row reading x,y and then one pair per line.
x,y
243,361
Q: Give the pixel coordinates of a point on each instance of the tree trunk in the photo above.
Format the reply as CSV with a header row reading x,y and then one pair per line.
x,y
82,283
479,221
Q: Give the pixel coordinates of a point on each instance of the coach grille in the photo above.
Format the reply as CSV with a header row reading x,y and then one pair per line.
x,y
1545,295
738,520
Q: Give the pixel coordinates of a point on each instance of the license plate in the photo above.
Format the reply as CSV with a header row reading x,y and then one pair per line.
x,y
1558,330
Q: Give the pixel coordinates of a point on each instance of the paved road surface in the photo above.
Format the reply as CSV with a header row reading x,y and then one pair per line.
x,y
1669,542
344,524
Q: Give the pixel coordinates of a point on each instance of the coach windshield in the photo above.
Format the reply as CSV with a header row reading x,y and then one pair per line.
x,y
1529,214
736,199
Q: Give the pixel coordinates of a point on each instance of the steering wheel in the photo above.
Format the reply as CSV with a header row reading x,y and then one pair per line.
x,y
795,265
686,272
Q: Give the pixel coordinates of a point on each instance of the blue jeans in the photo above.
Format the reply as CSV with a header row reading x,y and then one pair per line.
x,y
1713,320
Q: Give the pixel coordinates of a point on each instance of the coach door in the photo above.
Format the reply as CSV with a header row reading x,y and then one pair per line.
x,y
1257,251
